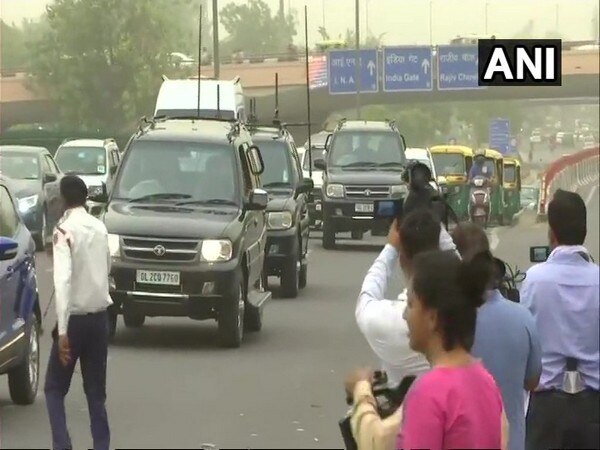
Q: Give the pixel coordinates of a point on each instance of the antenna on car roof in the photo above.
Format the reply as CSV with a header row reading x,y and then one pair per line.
x,y
200,57
218,100
276,113
309,149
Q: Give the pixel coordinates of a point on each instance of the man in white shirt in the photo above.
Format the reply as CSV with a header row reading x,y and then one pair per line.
x,y
81,270
381,321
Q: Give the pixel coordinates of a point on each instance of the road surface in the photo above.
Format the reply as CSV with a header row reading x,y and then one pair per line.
x,y
170,385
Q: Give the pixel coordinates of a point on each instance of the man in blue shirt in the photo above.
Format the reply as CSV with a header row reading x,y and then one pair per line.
x,y
505,339
563,296
479,169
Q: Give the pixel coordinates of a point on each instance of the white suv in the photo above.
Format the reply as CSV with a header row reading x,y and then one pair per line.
x,y
95,161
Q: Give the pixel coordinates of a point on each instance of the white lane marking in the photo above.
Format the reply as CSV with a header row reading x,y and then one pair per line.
x,y
589,198
494,239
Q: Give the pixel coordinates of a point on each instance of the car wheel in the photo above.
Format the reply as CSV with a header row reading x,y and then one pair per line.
x,y
231,318
23,380
290,276
133,319
41,238
328,235
253,315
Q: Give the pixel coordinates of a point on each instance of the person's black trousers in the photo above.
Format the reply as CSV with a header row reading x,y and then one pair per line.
x,y
88,339
566,421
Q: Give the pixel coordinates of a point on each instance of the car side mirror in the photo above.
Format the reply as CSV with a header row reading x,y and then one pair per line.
x,y
8,248
306,186
320,164
258,200
101,196
50,178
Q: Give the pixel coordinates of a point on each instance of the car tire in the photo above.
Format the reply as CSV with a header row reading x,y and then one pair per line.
x,y
328,235
41,239
231,318
357,235
133,319
23,380
290,276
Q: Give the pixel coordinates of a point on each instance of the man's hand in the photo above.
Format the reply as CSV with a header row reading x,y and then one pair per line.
x,y
362,374
394,235
64,350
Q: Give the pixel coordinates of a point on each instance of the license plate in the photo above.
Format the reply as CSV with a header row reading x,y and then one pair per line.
x,y
157,277
363,207
318,207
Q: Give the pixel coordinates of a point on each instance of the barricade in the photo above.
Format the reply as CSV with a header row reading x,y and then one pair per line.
x,y
569,173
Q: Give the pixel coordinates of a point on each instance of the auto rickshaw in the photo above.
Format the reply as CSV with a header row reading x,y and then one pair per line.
x,y
490,162
452,164
512,187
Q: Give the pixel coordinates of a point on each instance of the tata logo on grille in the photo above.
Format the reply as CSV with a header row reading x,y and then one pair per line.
x,y
159,250
526,62
368,192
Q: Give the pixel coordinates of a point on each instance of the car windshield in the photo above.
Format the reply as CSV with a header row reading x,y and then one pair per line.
x,y
510,174
315,153
164,171
449,164
19,165
82,160
278,167
366,149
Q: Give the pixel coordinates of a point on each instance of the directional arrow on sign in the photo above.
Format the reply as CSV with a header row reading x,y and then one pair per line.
x,y
425,65
371,66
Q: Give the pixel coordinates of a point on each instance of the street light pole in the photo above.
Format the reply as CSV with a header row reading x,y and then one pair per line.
x,y
357,61
486,18
430,22
216,56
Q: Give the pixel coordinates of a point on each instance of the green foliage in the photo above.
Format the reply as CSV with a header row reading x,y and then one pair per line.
x,y
479,115
15,44
255,30
101,60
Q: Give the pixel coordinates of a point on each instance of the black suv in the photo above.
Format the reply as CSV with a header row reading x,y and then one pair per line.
x,y
365,162
187,227
288,222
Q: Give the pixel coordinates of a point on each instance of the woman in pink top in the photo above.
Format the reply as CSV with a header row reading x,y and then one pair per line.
x,y
457,403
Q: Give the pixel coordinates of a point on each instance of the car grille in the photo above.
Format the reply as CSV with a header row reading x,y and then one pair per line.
x,y
160,249
367,192
317,193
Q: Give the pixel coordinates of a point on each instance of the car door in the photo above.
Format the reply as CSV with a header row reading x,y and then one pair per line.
x,y
52,190
9,277
255,223
302,200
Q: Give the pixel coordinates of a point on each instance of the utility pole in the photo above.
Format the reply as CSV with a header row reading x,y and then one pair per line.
x,y
486,18
431,22
216,56
357,57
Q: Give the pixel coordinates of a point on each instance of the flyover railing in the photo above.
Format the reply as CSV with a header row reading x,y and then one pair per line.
x,y
569,173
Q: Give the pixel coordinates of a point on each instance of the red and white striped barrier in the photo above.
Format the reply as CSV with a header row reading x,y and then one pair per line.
x,y
569,173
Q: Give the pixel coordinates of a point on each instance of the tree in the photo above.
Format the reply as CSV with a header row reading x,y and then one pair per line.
x,y
253,28
13,54
101,60
371,41
479,114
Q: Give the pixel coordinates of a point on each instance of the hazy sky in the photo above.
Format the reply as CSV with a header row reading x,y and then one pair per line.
x,y
407,21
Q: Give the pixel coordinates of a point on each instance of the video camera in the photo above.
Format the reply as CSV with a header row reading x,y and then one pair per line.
x,y
388,401
421,194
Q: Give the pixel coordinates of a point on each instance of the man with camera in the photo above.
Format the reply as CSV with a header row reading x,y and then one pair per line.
x,y
563,296
381,321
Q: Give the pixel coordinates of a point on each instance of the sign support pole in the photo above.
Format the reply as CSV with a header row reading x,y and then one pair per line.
x,y
357,58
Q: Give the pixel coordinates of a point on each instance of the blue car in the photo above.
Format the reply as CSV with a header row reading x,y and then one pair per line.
x,y
20,315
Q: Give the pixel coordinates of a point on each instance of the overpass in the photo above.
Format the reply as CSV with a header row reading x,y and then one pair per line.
x,y
19,103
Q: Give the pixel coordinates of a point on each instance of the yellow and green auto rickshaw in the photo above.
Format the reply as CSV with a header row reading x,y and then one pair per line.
x,y
452,164
486,190
512,187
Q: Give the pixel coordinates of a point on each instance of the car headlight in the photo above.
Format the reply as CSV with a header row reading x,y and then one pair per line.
x,y
400,189
335,190
114,245
214,250
94,191
26,203
281,220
